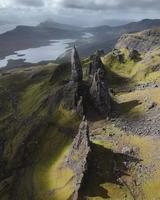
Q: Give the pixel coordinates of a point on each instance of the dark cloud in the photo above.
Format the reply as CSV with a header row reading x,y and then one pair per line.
x,y
82,12
32,3
112,4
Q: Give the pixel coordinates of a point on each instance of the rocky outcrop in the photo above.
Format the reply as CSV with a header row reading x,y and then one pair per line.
x,y
76,67
141,41
77,92
75,98
95,64
134,55
73,92
99,93
119,55
78,156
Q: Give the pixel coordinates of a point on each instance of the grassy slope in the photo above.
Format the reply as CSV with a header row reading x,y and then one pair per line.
x,y
109,140
39,148
147,182
138,72
36,148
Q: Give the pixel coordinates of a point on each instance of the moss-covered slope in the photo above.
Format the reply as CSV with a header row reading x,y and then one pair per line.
x,y
35,134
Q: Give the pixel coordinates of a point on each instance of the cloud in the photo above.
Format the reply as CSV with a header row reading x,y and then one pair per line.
x,y
82,12
19,3
111,4
86,4
32,3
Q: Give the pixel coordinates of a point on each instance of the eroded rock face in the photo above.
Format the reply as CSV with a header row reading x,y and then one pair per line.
x,y
80,106
78,93
96,64
77,74
73,94
77,159
74,98
142,41
99,93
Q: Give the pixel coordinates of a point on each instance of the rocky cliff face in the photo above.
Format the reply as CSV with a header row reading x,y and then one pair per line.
x,y
77,159
96,63
77,74
141,41
99,92
77,92
77,95
73,92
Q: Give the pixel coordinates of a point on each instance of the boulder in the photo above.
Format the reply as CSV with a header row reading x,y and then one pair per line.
x,y
127,150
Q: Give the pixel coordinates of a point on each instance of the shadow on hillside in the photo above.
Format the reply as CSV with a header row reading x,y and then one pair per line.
x,y
105,166
118,109
115,79
122,108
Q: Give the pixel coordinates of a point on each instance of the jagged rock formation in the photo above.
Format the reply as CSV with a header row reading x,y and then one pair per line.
x,y
78,156
73,92
74,97
96,64
77,74
77,91
99,93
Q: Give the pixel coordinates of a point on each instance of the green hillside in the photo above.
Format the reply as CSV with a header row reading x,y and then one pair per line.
x,y
36,132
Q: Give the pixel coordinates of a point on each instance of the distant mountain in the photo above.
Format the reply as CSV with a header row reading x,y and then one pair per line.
x,y
23,37
53,24
130,27
104,37
141,25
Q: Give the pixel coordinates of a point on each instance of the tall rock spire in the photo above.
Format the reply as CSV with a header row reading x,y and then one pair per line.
x,y
99,91
77,74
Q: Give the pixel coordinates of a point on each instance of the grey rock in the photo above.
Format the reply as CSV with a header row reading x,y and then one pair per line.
x,y
127,150
76,67
96,63
73,99
77,158
99,93
80,107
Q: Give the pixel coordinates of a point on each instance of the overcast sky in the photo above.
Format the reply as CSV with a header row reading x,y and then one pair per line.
x,y
79,12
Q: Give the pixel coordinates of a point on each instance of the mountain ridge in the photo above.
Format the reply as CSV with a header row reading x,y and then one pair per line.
x,y
105,37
